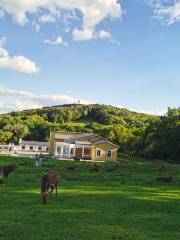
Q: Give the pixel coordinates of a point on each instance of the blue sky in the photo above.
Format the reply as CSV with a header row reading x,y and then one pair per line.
x,y
124,53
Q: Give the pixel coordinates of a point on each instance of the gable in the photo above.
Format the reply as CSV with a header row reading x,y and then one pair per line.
x,y
106,145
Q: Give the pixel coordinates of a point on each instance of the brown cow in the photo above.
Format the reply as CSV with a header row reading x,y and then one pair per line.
x,y
164,178
94,168
49,181
8,169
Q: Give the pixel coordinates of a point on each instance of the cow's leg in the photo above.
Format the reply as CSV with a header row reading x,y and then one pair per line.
x,y
52,188
56,190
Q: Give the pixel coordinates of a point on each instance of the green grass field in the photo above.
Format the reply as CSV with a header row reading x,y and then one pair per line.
x,y
125,204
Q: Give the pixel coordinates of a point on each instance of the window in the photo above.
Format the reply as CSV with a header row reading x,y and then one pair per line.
x,y
31,147
72,151
40,148
98,153
23,147
109,153
87,151
65,150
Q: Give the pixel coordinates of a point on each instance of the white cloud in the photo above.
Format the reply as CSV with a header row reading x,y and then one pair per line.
x,y
89,34
21,100
20,18
47,19
167,12
17,63
104,35
56,42
81,35
91,13
156,112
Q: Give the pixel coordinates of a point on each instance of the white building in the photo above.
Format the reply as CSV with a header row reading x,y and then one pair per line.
x,y
33,147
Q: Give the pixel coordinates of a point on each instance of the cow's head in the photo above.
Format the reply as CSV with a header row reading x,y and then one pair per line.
x,y
44,196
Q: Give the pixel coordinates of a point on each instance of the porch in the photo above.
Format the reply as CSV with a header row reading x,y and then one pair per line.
x,y
71,151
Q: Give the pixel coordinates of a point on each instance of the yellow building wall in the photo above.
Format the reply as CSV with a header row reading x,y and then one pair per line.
x,y
104,147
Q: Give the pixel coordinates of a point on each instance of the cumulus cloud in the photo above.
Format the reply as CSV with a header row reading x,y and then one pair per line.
x,y
89,34
21,100
91,13
16,63
167,12
57,41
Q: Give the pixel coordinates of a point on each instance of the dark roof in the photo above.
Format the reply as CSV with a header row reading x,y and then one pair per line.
x,y
80,136
103,141
34,143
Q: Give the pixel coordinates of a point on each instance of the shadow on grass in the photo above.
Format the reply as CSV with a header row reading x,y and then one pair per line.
x,y
91,212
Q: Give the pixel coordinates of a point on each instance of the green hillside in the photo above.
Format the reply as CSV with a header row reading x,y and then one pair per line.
x,y
136,133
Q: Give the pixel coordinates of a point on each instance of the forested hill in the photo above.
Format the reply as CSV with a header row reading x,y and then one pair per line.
x,y
135,133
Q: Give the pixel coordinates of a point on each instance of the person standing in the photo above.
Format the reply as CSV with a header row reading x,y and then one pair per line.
x,y
36,160
40,159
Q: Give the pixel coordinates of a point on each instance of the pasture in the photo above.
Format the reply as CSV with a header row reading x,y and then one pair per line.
x,y
125,204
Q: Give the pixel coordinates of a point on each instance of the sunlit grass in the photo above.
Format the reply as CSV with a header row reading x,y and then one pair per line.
x,y
125,204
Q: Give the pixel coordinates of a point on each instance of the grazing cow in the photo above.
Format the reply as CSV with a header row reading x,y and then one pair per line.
x,y
2,179
94,168
8,169
72,168
24,163
112,168
164,178
49,181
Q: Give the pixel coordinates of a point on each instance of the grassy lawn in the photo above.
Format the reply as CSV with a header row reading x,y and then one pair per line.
x,y
125,204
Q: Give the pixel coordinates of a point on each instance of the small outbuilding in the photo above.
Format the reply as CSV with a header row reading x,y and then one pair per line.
x,y
33,147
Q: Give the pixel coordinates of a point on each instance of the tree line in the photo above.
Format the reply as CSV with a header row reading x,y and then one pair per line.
x,y
136,133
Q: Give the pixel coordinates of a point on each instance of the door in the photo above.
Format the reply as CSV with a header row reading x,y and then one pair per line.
x,y
78,152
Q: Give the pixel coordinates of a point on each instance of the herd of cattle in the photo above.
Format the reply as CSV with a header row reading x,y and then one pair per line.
x,y
49,180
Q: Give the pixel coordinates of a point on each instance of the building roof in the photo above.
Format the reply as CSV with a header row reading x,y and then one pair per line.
x,y
103,141
34,143
83,143
80,136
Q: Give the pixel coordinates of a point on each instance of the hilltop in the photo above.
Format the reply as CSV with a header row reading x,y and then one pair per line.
x,y
135,133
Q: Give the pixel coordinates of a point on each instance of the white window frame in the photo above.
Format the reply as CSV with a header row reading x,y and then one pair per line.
x,y
98,150
65,148
108,153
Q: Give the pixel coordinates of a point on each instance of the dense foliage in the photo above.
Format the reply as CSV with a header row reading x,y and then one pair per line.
x,y
135,133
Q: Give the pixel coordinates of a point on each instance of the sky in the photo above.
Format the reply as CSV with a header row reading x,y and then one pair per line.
x,y
124,53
